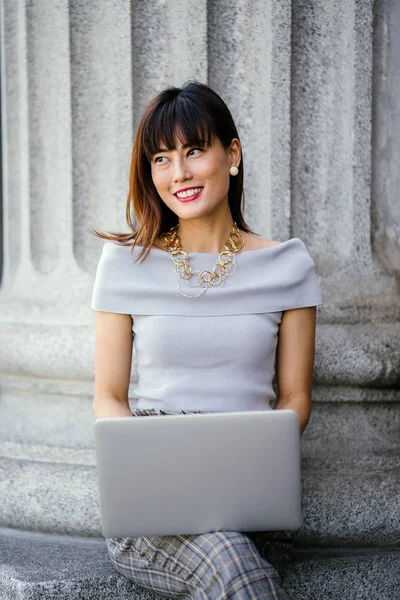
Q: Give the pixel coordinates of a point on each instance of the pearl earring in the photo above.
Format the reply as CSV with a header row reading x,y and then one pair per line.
x,y
233,170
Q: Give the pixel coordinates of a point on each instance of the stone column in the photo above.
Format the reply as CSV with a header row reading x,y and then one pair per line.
x,y
77,76
67,134
308,96
344,198
385,217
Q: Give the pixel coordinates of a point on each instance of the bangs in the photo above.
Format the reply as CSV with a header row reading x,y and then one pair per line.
x,y
179,119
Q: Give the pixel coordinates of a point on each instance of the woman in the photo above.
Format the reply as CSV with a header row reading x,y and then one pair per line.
x,y
205,301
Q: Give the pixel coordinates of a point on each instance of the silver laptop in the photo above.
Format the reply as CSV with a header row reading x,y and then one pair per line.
x,y
198,473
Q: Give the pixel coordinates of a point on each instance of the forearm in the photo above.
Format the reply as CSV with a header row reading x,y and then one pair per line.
x,y
301,404
110,408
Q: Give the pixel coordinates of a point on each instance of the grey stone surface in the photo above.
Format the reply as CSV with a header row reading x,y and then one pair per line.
x,y
368,576
50,497
323,76
385,231
43,567
350,465
348,394
346,504
331,116
358,433
328,86
49,134
366,354
298,77
351,506
36,359
169,46
15,126
332,52
101,120
338,428
257,92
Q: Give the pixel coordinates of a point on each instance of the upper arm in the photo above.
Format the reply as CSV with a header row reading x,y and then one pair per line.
x,y
295,352
113,355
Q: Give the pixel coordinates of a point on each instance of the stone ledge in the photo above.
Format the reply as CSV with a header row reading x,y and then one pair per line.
x,y
38,566
370,420
35,566
363,575
361,354
343,503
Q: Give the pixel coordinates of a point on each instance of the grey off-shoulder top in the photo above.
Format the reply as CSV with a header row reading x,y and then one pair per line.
x,y
212,353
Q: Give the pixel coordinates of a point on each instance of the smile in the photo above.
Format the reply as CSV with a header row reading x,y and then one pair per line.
x,y
188,195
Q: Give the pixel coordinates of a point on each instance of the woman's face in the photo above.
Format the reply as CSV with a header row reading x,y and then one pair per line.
x,y
205,168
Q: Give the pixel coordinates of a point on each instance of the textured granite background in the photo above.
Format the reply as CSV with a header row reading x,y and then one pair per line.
x,y
313,87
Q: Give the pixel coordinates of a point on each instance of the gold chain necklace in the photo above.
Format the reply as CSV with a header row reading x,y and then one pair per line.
x,y
223,268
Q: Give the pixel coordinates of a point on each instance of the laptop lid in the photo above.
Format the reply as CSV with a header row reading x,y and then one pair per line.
x,y
197,473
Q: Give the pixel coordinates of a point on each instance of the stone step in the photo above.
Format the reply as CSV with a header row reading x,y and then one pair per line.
x,y
371,420
350,466
343,503
39,566
344,573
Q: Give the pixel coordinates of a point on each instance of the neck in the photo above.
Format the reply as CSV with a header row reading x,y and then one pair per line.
x,y
211,240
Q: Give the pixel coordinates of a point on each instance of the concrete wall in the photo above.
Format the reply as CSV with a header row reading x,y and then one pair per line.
x,y
313,87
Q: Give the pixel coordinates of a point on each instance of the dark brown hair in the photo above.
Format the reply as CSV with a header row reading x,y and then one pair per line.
x,y
194,114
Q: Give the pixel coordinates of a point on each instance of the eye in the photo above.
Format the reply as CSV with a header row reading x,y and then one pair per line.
x,y
191,150
159,161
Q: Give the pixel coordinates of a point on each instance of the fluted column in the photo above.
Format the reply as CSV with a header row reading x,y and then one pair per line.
x,y
67,141
385,230
257,90
332,117
67,137
308,96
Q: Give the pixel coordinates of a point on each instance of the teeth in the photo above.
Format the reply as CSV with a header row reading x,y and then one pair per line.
x,y
188,193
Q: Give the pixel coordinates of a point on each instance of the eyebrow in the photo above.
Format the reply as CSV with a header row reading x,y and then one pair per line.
x,y
158,150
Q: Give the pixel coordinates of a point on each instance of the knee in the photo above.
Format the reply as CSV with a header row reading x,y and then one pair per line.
x,y
224,548
232,541
217,539
118,547
226,557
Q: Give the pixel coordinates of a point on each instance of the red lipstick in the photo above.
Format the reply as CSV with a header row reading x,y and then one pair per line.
x,y
189,198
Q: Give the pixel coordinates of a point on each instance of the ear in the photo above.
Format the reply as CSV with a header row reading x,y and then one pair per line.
x,y
235,152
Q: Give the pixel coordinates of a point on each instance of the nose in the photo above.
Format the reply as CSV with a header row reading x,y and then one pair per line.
x,y
181,171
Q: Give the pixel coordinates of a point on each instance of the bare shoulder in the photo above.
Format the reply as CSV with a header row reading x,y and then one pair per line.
x,y
269,243
253,242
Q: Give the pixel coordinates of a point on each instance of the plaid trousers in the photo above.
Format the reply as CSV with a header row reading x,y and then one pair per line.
x,y
210,566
